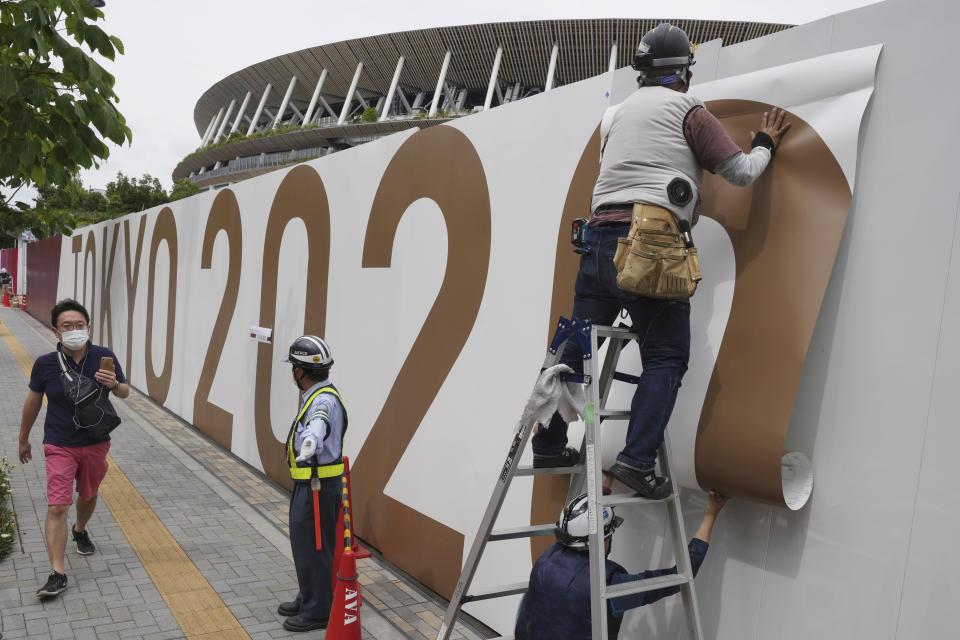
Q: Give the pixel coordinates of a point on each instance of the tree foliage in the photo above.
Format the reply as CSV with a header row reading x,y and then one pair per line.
x,y
56,101
61,208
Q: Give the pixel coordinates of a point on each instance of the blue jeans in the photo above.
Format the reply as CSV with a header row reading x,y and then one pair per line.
x,y
663,327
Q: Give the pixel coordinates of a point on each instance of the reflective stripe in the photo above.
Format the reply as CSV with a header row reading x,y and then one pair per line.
x,y
320,471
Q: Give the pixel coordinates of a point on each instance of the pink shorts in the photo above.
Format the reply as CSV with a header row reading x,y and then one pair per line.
x,y
86,465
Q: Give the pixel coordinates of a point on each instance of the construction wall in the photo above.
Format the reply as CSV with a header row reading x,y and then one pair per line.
x,y
435,263
43,264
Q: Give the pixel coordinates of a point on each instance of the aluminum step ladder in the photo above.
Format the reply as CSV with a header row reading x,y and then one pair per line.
x,y
586,472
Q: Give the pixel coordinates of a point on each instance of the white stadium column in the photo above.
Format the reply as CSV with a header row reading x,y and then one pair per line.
x,y
353,87
552,69
493,78
243,108
206,134
215,125
439,89
256,114
393,90
313,99
286,100
226,119
613,58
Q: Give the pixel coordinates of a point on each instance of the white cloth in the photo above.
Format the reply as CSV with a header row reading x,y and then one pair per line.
x,y
552,394
741,169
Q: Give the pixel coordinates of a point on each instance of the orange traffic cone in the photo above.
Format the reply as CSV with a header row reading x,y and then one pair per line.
x,y
6,298
23,307
344,623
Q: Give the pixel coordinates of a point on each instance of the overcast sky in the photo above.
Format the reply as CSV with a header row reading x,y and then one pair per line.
x,y
177,49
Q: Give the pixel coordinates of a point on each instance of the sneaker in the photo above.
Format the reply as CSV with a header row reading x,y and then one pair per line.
x,y
56,584
644,481
82,538
288,609
566,458
299,623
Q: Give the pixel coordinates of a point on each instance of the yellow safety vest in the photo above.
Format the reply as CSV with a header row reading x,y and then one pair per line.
x,y
313,471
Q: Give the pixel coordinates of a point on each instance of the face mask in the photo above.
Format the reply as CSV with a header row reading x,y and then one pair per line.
x,y
74,340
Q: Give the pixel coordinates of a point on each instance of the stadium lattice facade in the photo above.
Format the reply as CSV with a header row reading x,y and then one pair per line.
x,y
315,101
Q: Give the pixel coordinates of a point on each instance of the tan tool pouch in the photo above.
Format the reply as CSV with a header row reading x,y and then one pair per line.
x,y
654,260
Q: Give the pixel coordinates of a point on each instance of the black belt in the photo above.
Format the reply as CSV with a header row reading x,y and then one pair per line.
x,y
616,206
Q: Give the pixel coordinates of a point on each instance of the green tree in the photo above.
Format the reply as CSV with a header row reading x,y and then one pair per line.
x,y
183,188
53,94
126,195
369,115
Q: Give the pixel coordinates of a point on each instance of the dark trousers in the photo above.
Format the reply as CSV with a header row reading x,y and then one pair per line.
x,y
315,568
664,330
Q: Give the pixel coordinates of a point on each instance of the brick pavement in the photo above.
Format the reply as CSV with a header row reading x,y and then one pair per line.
x,y
235,535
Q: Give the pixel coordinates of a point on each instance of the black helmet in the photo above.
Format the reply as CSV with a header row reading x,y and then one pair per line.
x,y
663,47
310,353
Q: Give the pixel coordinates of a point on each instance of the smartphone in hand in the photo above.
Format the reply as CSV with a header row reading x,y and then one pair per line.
x,y
106,363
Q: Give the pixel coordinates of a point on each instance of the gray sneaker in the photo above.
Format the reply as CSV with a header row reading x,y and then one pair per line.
x,y
56,584
643,481
84,546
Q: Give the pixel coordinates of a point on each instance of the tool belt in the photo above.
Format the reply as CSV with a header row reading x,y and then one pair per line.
x,y
656,260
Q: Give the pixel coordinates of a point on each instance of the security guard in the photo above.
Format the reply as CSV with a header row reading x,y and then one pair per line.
x,y
314,451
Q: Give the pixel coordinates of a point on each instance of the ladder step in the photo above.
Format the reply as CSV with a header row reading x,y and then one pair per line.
x,y
615,333
615,414
526,470
642,586
496,592
618,499
522,532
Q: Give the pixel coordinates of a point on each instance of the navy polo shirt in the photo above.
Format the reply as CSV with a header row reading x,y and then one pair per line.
x,y
58,428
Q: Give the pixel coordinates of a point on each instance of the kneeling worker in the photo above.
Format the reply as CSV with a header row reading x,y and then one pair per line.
x,y
557,602
315,456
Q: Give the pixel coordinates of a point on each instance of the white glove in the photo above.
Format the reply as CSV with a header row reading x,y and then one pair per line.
x,y
307,449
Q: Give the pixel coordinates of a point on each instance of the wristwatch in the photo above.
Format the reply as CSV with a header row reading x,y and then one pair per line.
x,y
116,385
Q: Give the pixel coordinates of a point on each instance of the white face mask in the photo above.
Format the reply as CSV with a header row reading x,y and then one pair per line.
x,y
74,340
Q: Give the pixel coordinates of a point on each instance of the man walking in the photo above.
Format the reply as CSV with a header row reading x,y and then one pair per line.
x,y
70,452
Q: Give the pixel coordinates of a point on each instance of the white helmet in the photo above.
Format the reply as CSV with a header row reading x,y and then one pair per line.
x,y
310,353
573,528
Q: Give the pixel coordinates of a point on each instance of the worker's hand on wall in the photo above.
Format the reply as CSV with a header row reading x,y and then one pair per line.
x,y
715,504
307,449
773,125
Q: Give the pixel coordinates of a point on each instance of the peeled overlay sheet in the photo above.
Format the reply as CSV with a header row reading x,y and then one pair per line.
x,y
785,231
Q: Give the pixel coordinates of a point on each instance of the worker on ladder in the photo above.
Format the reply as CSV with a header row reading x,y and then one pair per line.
x,y
314,450
557,602
654,148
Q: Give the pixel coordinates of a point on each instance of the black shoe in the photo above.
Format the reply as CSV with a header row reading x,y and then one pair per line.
x,y
82,538
288,609
299,623
56,584
567,458
643,481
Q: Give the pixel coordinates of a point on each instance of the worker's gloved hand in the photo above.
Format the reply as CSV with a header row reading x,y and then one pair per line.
x,y
307,449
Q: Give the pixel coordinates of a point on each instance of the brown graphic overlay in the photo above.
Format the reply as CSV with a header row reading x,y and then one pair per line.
x,y
439,163
43,274
90,260
224,216
786,231
106,283
76,247
302,196
550,492
164,229
132,278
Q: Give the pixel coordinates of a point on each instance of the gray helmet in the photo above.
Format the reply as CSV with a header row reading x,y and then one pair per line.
x,y
309,353
573,528
661,49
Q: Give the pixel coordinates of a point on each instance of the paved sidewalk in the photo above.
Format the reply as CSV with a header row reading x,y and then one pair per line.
x,y
236,536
